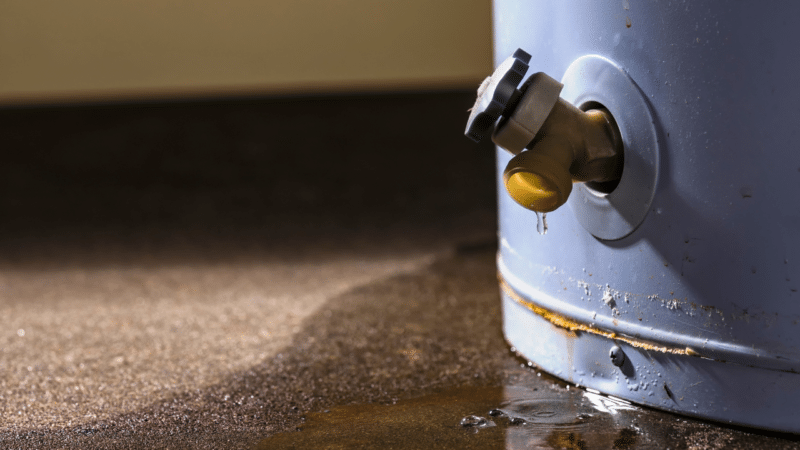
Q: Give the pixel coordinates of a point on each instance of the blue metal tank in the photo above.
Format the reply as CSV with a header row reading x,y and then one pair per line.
x,y
679,289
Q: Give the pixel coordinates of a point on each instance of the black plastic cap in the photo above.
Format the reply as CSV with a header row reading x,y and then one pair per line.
x,y
502,86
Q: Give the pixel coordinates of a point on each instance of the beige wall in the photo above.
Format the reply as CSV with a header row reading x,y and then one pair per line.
x,y
97,49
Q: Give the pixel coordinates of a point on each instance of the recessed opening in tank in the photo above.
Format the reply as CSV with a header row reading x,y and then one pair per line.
x,y
605,187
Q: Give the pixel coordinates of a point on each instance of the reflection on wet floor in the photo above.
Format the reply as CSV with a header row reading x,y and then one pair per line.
x,y
430,421
536,412
514,417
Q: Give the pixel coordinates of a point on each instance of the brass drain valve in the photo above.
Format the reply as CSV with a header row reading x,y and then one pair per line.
x,y
553,142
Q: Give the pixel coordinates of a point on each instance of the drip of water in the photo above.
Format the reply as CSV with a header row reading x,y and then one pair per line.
x,y
541,223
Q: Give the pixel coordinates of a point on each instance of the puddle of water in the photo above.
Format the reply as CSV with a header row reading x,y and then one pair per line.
x,y
432,421
558,418
511,417
533,411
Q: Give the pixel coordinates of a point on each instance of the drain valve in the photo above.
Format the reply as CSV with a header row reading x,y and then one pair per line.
x,y
553,142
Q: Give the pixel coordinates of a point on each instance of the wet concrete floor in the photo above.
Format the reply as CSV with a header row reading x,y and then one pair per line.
x,y
168,281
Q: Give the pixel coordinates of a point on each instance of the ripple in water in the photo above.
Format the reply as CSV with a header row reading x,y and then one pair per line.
x,y
548,411
565,419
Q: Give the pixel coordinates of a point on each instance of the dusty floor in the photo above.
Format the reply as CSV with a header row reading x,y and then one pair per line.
x,y
282,273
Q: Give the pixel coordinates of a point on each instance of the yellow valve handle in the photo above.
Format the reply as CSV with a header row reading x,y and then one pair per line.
x,y
533,191
538,181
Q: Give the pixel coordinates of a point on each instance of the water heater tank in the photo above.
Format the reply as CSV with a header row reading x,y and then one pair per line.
x,y
676,286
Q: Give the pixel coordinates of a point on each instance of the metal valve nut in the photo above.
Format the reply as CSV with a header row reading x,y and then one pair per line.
x,y
539,96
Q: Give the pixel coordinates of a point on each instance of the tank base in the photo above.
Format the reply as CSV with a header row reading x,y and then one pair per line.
x,y
690,385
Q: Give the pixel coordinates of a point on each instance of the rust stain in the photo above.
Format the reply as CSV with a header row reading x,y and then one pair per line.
x,y
573,326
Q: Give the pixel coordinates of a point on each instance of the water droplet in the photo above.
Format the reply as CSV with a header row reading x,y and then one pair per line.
x,y
517,421
476,422
496,413
541,223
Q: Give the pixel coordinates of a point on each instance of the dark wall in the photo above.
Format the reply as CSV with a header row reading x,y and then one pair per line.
x,y
240,167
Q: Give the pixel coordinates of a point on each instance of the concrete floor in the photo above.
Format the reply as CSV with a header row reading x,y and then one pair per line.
x,y
207,275
234,350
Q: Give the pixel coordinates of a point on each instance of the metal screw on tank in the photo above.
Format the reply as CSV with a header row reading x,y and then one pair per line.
x,y
617,356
